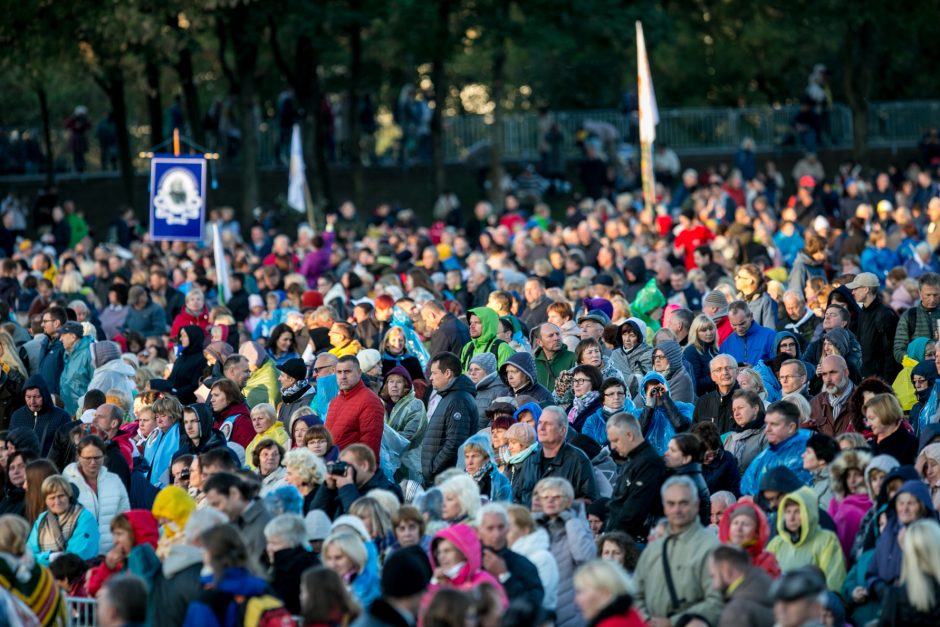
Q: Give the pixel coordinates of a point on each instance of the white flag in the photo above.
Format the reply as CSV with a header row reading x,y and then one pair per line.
x,y
296,187
221,267
649,113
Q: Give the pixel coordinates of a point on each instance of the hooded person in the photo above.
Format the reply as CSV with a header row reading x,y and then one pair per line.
x,y
633,357
39,415
207,437
172,508
137,555
490,386
525,379
800,541
927,370
457,562
262,385
476,458
773,486
752,535
296,390
681,386
903,384
852,500
487,326
910,503
661,417
218,352
111,372
408,417
188,367
648,305
635,271
769,369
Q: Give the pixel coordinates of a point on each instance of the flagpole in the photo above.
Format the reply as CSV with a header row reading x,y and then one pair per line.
x,y
649,118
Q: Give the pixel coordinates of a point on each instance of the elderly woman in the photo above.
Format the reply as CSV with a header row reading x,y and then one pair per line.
x,y
520,440
667,361
602,594
476,458
589,353
306,472
267,427
532,542
461,499
346,554
701,349
286,537
377,520
745,525
482,371
65,526
407,416
571,540
613,395
884,414
750,380
99,491
633,357
164,442
268,458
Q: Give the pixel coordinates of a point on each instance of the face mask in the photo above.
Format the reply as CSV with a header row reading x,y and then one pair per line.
x,y
454,570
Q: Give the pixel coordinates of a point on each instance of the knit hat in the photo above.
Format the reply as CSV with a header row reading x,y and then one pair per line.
x,y
294,368
599,304
407,572
311,299
716,299
368,358
487,361
253,352
743,510
318,525
255,300
103,352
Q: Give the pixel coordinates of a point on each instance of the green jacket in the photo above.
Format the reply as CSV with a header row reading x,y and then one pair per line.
x,y
688,564
548,370
817,546
487,340
262,385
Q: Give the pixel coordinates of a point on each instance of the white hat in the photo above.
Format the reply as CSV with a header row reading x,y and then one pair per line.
x,y
368,358
318,525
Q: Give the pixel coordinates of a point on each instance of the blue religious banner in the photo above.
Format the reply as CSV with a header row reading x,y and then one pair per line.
x,y
177,197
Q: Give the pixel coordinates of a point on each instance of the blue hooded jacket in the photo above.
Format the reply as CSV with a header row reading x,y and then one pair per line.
x,y
500,489
235,581
660,429
758,344
788,453
533,407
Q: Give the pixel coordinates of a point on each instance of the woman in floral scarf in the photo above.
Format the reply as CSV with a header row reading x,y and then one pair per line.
x,y
586,384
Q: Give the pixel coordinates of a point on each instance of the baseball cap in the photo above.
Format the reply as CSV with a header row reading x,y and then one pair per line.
x,y
865,279
75,328
807,181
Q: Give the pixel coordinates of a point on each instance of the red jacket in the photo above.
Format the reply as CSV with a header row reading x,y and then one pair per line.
x,y
184,318
724,328
764,560
146,532
618,613
357,416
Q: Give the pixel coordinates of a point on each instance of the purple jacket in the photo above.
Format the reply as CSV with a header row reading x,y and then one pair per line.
x,y
317,261
847,513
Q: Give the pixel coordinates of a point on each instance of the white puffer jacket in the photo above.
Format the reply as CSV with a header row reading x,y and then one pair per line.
x,y
535,547
110,500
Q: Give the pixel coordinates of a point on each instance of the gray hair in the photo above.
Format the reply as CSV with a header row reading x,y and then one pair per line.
x,y
308,466
722,356
266,408
561,416
493,509
680,480
288,527
200,521
723,495
624,421
793,294
467,492
558,483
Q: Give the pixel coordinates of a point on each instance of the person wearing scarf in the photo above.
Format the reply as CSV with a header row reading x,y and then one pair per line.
x,y
65,526
520,440
613,394
296,391
586,382
476,458
412,342
27,580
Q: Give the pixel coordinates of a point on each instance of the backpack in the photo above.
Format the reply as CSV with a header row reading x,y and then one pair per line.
x,y
263,610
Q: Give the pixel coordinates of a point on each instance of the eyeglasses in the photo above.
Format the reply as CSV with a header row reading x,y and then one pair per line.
x,y
46,320
318,369
576,380
660,356
613,394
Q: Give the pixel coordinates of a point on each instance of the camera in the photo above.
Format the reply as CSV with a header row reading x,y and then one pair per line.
x,y
337,469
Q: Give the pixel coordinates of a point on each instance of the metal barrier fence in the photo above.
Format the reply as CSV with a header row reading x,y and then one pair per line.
x,y
686,130
82,612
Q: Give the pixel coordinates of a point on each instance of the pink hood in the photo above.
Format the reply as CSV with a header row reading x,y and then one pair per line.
x,y
465,538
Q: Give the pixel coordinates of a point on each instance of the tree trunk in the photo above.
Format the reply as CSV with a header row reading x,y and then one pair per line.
x,y
246,41
859,56
496,156
352,107
114,87
47,135
307,91
154,104
439,79
184,69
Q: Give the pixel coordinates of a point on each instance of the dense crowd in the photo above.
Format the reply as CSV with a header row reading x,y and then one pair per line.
x,y
719,412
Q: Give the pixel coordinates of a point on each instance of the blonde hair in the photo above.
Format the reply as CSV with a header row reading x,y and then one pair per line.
x,y
886,409
467,492
9,355
521,432
14,530
600,574
756,380
522,517
700,323
56,483
267,408
556,483
308,466
350,544
920,566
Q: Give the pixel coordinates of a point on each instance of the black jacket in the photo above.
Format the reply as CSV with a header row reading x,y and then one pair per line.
x,y
286,571
454,420
900,445
877,324
537,314
716,408
238,305
188,367
635,502
209,438
897,609
336,502
450,336
382,614
524,582
371,331
46,421
571,463
723,474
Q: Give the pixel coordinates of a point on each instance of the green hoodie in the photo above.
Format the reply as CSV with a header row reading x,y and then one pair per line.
x,y
487,342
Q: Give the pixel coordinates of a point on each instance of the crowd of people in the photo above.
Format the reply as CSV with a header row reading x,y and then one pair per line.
x,y
723,411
